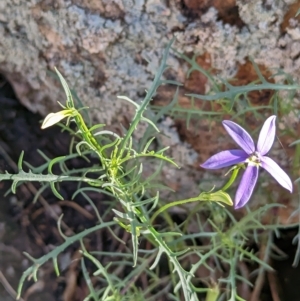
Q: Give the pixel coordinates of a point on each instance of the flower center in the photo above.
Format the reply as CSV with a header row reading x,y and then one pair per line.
x,y
254,159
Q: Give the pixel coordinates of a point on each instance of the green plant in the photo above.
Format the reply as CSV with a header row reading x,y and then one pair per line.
x,y
118,170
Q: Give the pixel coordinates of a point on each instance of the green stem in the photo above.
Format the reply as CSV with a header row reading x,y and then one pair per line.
x,y
235,171
176,203
244,89
87,135
146,100
201,197
213,293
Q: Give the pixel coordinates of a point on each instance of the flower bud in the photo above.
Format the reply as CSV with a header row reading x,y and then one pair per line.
x,y
54,118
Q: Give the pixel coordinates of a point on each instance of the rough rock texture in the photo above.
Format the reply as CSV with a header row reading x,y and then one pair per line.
x,y
106,48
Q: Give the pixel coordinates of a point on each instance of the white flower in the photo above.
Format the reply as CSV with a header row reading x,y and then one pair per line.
x,y
54,118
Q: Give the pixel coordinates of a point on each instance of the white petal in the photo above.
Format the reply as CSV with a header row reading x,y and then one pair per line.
x,y
266,136
54,118
277,173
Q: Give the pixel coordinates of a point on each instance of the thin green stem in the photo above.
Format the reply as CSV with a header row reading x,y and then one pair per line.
x,y
176,203
235,170
236,90
146,100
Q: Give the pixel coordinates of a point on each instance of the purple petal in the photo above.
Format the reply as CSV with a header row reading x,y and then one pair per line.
x,y
277,173
225,158
240,136
266,136
246,186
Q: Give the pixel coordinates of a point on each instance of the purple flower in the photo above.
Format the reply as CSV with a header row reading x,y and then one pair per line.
x,y
253,156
